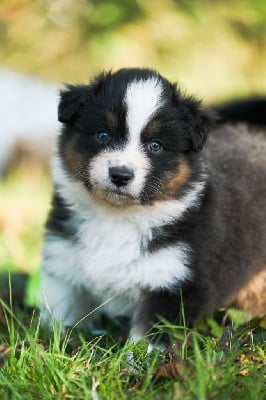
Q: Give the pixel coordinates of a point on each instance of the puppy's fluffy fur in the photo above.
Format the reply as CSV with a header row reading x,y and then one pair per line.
x,y
144,213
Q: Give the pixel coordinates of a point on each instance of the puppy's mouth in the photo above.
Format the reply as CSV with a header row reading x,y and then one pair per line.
x,y
115,197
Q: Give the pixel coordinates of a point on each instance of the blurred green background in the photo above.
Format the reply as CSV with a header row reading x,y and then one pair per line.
x,y
215,49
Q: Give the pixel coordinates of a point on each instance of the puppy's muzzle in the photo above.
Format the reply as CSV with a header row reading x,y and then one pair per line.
x,y
121,176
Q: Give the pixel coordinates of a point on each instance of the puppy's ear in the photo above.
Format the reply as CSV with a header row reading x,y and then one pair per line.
x,y
204,120
71,100
199,119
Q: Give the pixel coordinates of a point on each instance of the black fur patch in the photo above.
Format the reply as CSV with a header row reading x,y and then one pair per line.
x,y
59,219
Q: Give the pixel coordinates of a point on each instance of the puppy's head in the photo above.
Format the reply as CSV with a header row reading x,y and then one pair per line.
x,y
131,137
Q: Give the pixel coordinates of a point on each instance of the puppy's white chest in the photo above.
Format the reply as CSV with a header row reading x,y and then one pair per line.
x,y
114,260
109,258
109,253
109,250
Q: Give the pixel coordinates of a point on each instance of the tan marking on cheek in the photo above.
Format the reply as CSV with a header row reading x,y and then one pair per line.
x,y
177,180
71,157
111,120
253,296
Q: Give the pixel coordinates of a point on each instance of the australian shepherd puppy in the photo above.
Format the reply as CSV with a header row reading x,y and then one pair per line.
x,y
146,216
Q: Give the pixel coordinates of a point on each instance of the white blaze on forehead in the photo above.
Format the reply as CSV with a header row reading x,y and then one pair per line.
x,y
143,98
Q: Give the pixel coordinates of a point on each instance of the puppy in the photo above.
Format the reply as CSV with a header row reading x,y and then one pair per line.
x,y
146,217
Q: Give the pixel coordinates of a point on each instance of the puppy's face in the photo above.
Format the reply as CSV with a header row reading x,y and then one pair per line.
x,y
130,137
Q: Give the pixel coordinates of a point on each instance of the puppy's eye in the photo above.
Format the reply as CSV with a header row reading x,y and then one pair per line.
x,y
154,146
103,136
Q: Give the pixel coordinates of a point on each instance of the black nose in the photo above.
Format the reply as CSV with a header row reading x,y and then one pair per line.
x,y
121,176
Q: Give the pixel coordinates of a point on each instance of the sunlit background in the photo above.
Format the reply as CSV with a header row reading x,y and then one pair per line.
x,y
214,49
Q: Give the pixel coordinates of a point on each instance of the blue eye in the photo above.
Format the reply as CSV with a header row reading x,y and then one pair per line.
x,y
103,136
154,146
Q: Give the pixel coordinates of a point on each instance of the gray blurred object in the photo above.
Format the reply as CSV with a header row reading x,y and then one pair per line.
x,y
28,109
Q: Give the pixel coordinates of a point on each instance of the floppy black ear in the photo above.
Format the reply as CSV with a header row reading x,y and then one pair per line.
x,y
204,120
71,99
197,119
200,120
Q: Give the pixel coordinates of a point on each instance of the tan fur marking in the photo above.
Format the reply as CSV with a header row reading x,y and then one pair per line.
x,y
72,158
253,296
176,181
111,120
153,128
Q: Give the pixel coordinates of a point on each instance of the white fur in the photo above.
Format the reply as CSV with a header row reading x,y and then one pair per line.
x,y
61,300
108,259
143,98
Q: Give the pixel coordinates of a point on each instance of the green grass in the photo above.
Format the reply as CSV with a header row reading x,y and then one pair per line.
x,y
36,364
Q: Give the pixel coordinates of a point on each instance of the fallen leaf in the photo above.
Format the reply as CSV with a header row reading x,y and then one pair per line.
x,y
244,359
136,386
244,372
262,322
171,370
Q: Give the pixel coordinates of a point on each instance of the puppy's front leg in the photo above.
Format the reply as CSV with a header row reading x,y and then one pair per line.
x,y
61,301
181,306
